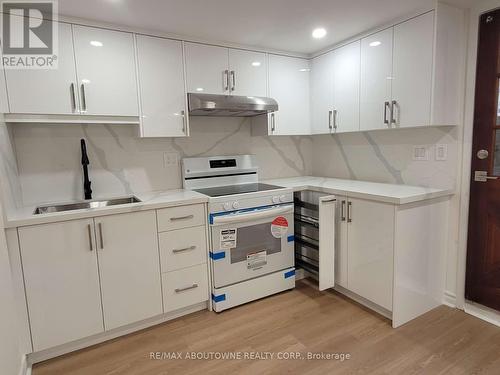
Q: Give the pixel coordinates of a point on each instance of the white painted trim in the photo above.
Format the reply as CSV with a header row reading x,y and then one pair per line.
x,y
449,299
482,312
57,351
466,145
25,368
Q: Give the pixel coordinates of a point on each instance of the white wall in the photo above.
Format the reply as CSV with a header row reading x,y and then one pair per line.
x,y
48,156
10,188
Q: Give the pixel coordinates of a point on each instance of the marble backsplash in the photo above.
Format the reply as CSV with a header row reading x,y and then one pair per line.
x,y
48,156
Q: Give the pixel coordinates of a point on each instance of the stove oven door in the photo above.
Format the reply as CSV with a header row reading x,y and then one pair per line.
x,y
250,243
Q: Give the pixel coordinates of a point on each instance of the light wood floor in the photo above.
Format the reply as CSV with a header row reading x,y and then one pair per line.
x,y
443,341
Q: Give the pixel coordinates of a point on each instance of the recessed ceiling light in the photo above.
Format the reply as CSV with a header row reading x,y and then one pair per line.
x,y
319,33
304,70
96,43
199,89
375,43
256,63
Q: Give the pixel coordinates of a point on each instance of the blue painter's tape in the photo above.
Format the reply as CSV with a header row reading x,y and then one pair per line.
x,y
289,274
217,256
291,238
219,298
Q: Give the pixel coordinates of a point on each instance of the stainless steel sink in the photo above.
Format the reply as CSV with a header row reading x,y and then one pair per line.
x,y
84,205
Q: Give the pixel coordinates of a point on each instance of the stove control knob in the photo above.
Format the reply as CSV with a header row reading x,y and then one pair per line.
x,y
282,198
236,205
276,199
227,206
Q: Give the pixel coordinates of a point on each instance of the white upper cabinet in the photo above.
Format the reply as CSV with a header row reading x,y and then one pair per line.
x,y
247,73
207,69
346,88
322,93
44,91
376,76
289,86
106,71
412,71
162,92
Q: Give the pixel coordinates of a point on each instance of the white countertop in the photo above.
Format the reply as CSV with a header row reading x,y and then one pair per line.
x,y
149,201
390,193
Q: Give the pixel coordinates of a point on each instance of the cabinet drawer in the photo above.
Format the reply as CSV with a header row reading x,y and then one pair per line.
x,y
183,248
181,217
185,287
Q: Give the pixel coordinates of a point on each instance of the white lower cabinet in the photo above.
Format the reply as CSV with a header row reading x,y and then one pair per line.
x,y
341,241
129,267
185,287
62,282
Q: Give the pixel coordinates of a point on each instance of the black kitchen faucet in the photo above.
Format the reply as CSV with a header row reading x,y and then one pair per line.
x,y
85,162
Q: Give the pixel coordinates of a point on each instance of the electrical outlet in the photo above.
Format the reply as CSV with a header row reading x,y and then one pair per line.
x,y
170,159
420,153
441,152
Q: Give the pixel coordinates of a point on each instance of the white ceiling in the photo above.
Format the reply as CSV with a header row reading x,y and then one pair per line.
x,y
272,24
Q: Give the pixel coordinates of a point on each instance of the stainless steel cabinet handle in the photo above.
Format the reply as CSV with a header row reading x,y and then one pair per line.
x,y
394,104
273,123
84,99
73,97
233,80
89,229
349,212
225,80
176,251
178,290
342,211
330,116
101,236
335,119
386,104
181,218
183,114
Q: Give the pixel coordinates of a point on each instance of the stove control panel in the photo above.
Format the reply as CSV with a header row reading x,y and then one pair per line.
x,y
221,204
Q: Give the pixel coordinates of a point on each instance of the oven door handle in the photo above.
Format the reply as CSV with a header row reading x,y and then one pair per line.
x,y
254,215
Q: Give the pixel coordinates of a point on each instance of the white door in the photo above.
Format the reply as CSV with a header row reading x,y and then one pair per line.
x,y
162,93
129,267
62,282
47,91
346,88
105,63
341,242
207,69
376,77
412,66
322,93
247,73
289,86
371,250
326,261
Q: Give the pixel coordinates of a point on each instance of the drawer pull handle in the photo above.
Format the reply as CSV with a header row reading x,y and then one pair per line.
x,y
187,217
179,290
175,251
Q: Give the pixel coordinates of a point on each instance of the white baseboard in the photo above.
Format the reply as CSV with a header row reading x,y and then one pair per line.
x,y
25,367
57,351
482,312
449,299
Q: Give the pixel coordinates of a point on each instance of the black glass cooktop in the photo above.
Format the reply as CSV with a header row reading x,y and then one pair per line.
x,y
220,191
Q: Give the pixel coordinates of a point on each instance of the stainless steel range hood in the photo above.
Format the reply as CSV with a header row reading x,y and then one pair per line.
x,y
229,105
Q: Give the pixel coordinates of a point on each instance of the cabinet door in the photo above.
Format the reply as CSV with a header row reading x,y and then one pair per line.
x,y
161,77
289,86
376,76
129,267
326,261
346,88
322,94
412,76
105,62
370,250
4,102
341,242
46,91
62,282
248,73
207,69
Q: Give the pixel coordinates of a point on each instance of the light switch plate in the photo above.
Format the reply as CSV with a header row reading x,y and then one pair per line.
x,y
420,153
441,152
170,159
